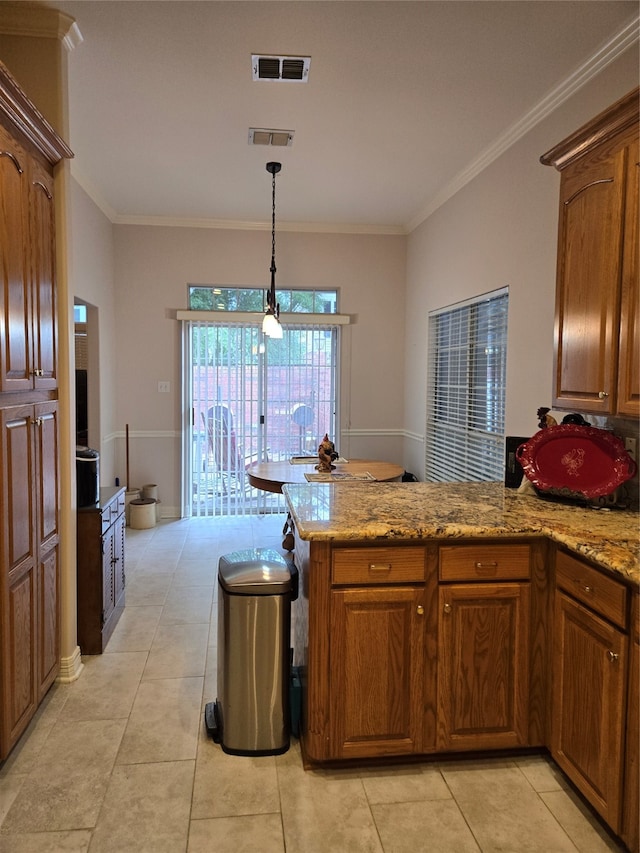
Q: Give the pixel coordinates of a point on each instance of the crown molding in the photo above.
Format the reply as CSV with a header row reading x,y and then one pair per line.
x,y
36,21
605,55
244,225
24,115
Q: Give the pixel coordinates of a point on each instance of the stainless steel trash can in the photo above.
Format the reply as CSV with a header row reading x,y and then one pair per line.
x,y
251,715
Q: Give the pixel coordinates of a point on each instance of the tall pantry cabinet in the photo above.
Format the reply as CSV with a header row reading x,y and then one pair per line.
x,y
29,452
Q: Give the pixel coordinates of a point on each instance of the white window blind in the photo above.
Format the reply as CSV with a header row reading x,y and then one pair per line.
x,y
467,361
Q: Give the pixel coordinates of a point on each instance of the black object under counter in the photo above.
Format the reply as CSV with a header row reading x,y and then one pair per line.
x,y
100,569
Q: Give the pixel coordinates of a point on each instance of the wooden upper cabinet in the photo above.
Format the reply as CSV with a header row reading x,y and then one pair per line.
x,y
629,359
29,151
43,278
596,317
15,307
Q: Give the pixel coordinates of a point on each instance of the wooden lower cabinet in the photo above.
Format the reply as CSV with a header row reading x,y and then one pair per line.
x,y
436,647
100,569
375,671
631,800
588,703
483,666
30,576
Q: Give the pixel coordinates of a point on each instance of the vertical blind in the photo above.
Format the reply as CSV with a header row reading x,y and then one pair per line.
x,y
254,400
467,361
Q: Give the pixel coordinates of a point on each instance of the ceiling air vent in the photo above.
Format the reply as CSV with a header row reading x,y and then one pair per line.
x,y
263,136
293,68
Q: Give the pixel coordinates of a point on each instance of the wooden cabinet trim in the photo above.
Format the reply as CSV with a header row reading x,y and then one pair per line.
x,y
18,112
616,119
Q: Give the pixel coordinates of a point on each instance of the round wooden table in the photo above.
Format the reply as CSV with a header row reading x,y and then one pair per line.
x,y
272,476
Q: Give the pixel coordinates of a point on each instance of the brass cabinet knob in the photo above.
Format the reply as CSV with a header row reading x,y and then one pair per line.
x,y
613,657
420,610
447,608
602,395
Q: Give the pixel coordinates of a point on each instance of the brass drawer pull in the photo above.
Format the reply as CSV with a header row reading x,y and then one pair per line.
x,y
490,565
379,567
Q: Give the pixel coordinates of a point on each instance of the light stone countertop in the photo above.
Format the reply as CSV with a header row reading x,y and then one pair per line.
x,y
404,511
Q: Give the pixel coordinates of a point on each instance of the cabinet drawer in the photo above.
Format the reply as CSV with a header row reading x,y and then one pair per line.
x,y
490,562
593,588
116,510
377,565
105,518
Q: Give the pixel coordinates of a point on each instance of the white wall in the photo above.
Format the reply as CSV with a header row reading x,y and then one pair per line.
x,y
91,279
500,229
154,266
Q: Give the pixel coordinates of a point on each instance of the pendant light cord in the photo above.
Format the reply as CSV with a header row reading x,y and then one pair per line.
x,y
273,227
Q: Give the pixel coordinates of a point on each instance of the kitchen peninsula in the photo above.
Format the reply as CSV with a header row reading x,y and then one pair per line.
x,y
442,618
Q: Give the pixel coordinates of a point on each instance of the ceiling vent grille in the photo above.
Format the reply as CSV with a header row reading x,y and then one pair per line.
x,y
263,136
283,68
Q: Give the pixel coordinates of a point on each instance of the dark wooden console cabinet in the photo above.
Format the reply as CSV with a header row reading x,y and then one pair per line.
x,y
101,569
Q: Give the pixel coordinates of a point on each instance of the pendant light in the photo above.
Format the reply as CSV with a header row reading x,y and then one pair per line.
x,y
271,322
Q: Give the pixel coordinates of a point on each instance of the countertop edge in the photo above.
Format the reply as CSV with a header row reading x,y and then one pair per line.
x,y
617,556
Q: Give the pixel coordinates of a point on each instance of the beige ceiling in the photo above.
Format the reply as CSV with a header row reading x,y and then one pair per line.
x,y
404,102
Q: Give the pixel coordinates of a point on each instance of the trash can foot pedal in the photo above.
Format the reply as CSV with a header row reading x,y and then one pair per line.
x,y
211,722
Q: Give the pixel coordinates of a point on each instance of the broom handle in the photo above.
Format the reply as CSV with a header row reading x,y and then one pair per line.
x,y
127,451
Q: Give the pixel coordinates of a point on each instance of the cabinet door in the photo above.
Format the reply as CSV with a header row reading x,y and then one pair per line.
x,y
44,316
483,666
375,671
118,561
48,489
18,622
108,576
15,301
629,359
48,587
588,281
589,667
45,435
631,807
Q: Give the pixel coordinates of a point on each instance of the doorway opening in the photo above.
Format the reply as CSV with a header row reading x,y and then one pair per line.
x,y
86,371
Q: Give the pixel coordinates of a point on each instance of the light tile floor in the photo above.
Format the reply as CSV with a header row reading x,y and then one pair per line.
x,y
120,762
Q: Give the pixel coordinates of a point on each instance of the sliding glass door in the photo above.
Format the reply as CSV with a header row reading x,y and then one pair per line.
x,y
251,398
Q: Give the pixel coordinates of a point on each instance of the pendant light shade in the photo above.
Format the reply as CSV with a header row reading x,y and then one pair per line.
x,y
271,322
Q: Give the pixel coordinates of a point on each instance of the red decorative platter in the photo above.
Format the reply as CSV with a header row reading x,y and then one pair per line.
x,y
576,460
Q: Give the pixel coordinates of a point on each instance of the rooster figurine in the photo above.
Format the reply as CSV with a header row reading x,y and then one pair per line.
x,y
326,454
545,419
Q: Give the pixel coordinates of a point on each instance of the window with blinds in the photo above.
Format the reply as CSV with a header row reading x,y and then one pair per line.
x,y
467,365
